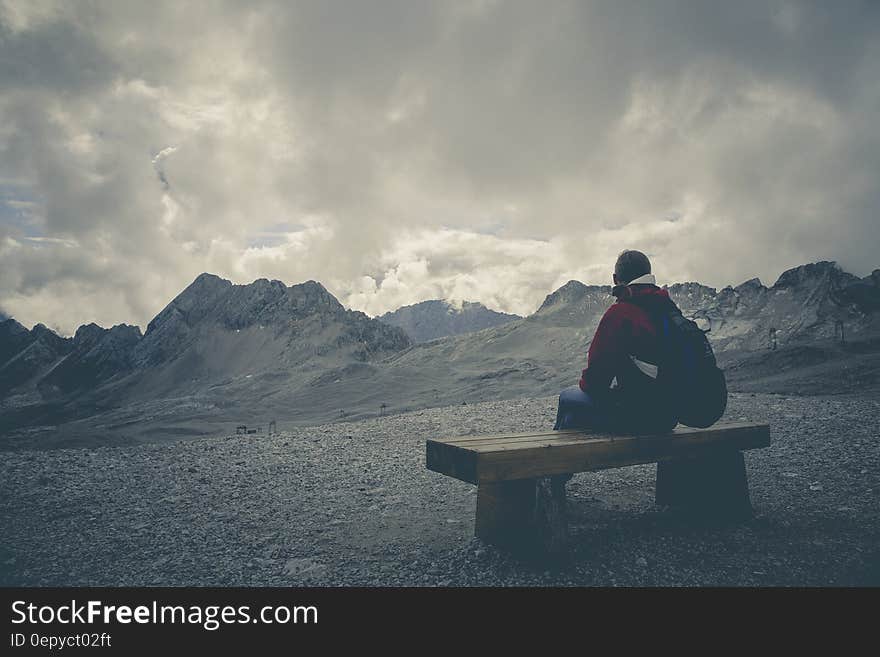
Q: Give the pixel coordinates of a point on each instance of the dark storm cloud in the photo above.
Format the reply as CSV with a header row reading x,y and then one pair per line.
x,y
401,150
55,56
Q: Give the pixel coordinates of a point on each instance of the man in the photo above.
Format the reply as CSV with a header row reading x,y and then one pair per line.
x,y
618,391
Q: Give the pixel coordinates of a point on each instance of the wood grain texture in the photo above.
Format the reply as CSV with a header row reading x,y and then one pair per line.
x,y
506,457
524,516
505,513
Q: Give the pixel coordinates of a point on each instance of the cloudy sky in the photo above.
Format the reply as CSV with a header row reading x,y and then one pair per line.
x,y
401,151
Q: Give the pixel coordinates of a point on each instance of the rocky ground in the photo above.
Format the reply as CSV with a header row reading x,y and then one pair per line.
x,y
352,504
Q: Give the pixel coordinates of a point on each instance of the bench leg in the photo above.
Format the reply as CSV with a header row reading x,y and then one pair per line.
x,y
551,522
523,515
712,485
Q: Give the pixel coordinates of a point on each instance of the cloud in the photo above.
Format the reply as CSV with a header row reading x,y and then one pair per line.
x,y
398,151
458,265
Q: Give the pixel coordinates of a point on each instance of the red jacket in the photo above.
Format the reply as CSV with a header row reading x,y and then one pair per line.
x,y
625,330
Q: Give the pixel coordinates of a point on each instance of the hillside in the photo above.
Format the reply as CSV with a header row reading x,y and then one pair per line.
x,y
216,349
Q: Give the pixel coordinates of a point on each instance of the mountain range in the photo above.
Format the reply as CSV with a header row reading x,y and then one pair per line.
x,y
219,355
438,318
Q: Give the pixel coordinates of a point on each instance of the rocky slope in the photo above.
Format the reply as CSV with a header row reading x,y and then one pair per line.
x,y
13,338
434,319
96,355
217,347
28,355
301,322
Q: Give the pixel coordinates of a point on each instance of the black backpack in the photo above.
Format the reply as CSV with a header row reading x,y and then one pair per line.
x,y
687,372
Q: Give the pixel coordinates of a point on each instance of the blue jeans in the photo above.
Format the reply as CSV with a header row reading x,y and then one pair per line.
x,y
577,410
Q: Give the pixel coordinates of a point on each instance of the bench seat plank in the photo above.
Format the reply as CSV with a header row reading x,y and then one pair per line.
x,y
504,457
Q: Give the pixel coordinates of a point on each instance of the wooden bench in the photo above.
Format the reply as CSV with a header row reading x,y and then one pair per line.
x,y
521,477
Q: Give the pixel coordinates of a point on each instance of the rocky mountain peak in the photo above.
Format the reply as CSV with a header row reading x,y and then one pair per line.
x,y
690,296
302,320
750,286
98,355
41,333
13,338
206,281
125,332
690,287
572,292
313,295
811,272
436,318
9,327
88,335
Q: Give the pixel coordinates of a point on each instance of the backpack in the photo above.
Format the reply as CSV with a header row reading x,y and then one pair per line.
x,y
687,372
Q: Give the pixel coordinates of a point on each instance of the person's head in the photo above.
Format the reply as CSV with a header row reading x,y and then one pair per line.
x,y
629,266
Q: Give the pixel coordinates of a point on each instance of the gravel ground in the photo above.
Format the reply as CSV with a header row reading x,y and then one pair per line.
x,y
352,504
